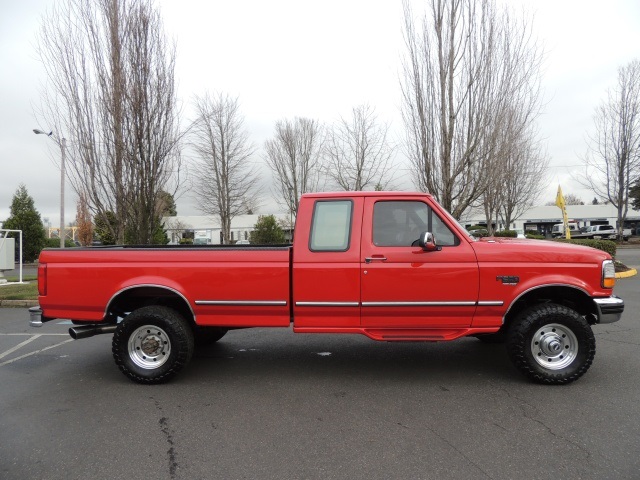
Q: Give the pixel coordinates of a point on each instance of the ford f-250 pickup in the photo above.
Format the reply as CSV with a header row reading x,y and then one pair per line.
x,y
395,267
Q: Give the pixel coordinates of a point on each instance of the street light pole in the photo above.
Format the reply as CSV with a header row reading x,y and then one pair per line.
x,y
291,214
62,143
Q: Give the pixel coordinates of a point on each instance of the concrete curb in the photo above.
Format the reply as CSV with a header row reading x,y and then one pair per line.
x,y
18,303
627,274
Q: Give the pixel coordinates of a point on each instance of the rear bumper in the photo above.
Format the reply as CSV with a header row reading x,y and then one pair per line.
x,y
609,309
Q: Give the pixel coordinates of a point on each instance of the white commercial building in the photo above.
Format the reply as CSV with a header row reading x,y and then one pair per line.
x,y
542,219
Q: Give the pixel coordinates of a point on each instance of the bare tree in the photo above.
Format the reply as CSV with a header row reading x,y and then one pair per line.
x,y
613,156
517,171
294,156
569,199
466,65
525,174
225,178
359,153
111,92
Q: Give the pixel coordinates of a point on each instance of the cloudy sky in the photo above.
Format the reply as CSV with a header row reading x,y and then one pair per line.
x,y
316,59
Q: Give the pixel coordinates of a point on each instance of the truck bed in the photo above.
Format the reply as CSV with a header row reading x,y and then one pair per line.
x,y
236,286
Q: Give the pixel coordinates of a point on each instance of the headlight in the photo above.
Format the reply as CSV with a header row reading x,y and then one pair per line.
x,y
608,274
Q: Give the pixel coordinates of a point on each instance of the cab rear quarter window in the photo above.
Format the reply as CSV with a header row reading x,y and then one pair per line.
x,y
331,226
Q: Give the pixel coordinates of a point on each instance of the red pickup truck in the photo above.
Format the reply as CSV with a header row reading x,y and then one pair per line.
x,y
391,266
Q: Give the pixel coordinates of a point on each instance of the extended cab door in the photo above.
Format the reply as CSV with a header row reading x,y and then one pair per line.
x,y
404,286
326,262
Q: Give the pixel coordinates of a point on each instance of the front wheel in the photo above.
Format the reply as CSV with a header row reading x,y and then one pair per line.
x,y
551,344
152,344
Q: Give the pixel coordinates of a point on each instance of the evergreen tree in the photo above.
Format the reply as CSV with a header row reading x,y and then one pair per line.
x,y
267,231
166,204
166,208
24,216
634,195
105,225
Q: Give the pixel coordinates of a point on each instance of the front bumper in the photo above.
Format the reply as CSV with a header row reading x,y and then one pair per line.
x,y
609,309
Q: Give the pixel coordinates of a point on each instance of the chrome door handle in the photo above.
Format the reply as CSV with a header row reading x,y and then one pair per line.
x,y
375,259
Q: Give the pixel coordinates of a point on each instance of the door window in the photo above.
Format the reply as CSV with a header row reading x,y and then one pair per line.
x,y
400,223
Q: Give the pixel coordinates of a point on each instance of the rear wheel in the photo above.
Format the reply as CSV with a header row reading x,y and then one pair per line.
x,y
152,344
551,344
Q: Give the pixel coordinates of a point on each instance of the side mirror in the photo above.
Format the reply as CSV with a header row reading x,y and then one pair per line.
x,y
428,242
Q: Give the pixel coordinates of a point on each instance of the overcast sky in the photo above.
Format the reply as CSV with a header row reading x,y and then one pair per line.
x,y
316,59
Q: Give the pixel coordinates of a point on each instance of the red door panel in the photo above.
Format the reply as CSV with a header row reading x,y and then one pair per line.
x,y
326,280
406,287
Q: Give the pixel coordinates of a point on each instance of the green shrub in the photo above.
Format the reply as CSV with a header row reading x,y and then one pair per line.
x,y
533,236
55,243
608,246
506,233
24,216
478,231
267,231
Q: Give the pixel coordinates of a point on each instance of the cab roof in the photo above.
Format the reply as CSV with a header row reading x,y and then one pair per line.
x,y
364,194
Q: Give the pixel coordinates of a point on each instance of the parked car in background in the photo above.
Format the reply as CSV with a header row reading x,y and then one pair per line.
x,y
605,232
558,229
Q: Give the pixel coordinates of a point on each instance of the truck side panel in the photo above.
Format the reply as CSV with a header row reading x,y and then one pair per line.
x,y
240,287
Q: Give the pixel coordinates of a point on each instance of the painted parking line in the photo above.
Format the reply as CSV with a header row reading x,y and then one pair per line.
x,y
31,334
20,345
34,353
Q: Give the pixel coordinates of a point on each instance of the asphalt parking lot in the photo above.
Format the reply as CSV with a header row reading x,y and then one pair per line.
x,y
271,404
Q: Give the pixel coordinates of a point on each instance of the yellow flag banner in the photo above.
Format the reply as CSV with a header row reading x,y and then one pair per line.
x,y
560,203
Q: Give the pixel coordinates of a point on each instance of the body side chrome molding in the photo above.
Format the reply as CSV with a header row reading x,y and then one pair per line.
x,y
489,303
419,304
243,303
327,304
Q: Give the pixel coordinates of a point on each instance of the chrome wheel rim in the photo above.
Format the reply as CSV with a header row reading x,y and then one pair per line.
x,y
554,346
149,347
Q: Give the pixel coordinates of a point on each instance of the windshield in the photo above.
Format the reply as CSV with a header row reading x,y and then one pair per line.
x,y
459,225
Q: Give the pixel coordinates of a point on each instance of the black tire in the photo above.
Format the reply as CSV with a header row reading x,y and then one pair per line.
x,y
551,344
205,336
152,344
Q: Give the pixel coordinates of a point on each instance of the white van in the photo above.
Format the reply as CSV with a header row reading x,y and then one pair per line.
x,y
558,229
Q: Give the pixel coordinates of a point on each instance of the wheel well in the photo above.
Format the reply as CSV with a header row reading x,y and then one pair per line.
x,y
563,295
133,298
